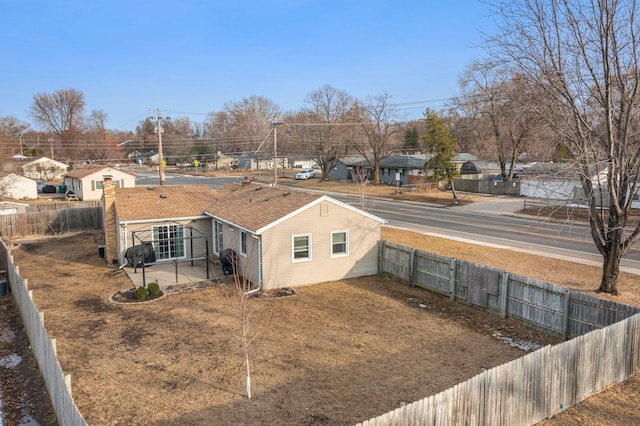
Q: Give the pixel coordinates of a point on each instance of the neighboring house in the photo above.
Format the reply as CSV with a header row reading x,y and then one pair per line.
x,y
44,169
223,162
343,168
11,207
305,164
559,181
409,168
144,157
17,187
287,238
86,182
283,238
260,161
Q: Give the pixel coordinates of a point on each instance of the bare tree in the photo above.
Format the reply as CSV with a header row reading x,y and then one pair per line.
x,y
583,57
379,118
62,114
11,133
497,114
327,126
101,144
249,121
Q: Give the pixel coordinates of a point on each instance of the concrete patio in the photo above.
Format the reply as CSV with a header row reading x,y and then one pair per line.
x,y
170,274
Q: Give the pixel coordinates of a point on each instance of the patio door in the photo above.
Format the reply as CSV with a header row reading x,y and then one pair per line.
x,y
168,241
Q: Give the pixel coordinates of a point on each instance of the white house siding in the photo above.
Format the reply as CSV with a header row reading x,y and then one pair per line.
x,y
125,236
319,221
550,189
87,189
18,187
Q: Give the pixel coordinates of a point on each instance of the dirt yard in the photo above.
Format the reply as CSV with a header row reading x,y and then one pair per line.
x,y
334,353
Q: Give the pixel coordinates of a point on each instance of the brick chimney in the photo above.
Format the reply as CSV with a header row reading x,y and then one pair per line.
x,y
109,215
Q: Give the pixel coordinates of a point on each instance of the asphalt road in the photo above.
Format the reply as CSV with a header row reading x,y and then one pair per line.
x,y
491,222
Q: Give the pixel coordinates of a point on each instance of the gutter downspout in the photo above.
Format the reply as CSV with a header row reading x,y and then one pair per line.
x,y
256,290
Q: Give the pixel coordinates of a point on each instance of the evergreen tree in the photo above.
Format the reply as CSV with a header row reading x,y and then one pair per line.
x,y
439,144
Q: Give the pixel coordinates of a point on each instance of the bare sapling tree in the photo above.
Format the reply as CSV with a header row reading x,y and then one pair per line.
x,y
360,177
582,57
242,266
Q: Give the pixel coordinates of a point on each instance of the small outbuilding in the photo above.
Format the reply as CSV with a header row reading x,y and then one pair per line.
x,y
18,187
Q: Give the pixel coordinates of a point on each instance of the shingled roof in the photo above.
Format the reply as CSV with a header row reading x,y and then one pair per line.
x,y
163,202
79,173
252,206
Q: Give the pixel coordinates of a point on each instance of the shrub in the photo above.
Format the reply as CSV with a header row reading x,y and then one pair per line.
x,y
154,288
141,293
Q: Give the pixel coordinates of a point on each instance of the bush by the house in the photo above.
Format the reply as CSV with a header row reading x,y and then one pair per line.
x,y
154,288
141,293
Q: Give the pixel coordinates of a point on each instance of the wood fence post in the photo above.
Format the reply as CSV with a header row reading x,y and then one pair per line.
x,y
504,290
452,279
565,325
412,268
380,256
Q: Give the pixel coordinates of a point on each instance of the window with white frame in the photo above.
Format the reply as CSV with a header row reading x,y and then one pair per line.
x,y
301,250
169,241
339,243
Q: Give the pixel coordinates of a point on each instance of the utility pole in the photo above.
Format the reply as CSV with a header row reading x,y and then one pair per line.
x,y
161,163
275,125
21,150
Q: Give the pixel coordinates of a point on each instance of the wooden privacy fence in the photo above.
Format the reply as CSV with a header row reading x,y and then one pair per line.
x,y
53,218
550,308
44,348
605,349
534,387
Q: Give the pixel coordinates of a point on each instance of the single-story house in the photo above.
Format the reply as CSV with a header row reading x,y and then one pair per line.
x,y
260,161
44,169
287,238
282,237
86,182
223,161
144,157
408,168
343,167
17,187
305,164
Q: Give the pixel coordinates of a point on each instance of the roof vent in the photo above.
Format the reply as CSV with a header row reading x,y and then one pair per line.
x,y
284,194
258,188
150,188
163,195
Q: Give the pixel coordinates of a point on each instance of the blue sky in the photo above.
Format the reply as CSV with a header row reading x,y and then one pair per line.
x,y
190,57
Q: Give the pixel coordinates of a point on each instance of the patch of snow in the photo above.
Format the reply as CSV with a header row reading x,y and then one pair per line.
x,y
515,343
10,361
7,335
422,305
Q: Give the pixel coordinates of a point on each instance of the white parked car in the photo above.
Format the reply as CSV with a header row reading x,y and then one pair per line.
x,y
305,174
